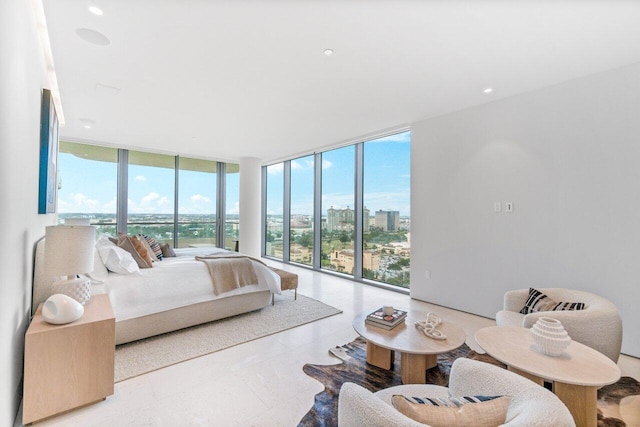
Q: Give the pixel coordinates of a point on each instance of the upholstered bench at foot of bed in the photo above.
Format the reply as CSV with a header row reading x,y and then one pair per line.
x,y
288,281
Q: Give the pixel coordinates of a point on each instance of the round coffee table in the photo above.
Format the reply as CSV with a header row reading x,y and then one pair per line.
x,y
576,374
417,351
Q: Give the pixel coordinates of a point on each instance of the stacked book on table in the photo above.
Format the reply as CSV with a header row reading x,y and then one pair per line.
x,y
384,321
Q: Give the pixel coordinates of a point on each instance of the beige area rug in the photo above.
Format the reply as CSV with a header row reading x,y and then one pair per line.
x,y
139,357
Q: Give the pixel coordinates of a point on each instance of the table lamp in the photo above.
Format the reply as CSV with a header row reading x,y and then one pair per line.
x,y
69,251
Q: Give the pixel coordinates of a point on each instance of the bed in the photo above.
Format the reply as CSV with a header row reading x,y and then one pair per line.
x,y
175,293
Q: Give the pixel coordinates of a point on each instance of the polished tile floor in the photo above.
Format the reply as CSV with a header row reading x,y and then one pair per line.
x,y
259,383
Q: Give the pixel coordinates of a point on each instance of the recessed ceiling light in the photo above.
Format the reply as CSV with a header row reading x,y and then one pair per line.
x,y
488,90
95,10
328,52
93,37
87,123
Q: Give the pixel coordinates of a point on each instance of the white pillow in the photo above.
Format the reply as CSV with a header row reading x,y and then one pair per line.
x,y
100,272
116,259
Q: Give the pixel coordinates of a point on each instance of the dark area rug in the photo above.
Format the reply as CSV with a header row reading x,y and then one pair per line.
x,y
324,412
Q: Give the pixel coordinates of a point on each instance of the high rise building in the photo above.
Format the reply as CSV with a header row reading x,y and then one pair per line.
x,y
387,220
344,219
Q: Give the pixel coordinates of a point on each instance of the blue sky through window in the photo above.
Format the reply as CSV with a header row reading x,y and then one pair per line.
x,y
90,186
387,178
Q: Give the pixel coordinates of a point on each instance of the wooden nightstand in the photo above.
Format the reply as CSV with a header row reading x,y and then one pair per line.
x,y
67,366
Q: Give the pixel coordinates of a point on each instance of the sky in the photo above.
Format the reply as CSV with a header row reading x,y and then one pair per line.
x,y
90,186
387,180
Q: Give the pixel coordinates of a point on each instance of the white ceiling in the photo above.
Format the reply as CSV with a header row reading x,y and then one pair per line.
x,y
236,78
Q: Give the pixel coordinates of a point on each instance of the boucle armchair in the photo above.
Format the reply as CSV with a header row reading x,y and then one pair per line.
x,y
598,325
531,404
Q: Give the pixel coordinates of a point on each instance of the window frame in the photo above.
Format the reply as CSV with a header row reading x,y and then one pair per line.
x,y
122,193
358,238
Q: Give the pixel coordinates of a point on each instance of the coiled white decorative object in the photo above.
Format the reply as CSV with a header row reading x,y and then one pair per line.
x,y
550,336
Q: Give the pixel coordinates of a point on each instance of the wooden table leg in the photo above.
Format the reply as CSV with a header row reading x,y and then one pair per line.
x,y
581,401
379,356
413,367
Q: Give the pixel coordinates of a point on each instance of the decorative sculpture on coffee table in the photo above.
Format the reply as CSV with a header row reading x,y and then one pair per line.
x,y
550,336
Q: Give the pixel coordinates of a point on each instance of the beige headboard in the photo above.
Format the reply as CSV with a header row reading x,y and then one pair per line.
x,y
41,283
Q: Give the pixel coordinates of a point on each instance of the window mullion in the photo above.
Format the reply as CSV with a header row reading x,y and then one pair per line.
x,y
123,187
317,212
175,201
264,211
359,197
221,210
286,212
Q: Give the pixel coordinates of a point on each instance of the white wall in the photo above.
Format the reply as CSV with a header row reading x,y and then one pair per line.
x,y
568,157
21,80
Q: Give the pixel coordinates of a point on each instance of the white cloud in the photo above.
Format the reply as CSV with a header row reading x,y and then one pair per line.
x,y
150,198
111,205
389,201
78,203
276,211
296,166
235,210
165,202
302,205
275,169
199,198
326,164
338,201
141,178
152,203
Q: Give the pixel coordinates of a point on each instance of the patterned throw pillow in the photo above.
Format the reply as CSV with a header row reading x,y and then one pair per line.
x,y
537,301
136,249
155,246
477,411
167,250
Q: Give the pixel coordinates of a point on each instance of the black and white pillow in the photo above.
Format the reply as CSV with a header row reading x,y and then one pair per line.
x,y
155,246
537,301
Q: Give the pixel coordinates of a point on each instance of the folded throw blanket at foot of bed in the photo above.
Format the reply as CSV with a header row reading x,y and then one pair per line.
x,y
228,274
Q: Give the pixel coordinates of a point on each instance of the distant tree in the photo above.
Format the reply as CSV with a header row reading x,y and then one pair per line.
x,y
305,240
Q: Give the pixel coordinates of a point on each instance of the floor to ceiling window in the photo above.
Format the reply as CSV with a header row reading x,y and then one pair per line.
x,y
147,199
345,210
232,206
88,184
150,203
274,210
338,204
197,184
301,217
387,198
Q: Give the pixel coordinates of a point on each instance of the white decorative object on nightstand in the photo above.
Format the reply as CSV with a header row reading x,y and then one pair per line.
x,y
59,309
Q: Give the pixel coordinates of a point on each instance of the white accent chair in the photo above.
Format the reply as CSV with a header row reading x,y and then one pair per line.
x,y
531,404
598,325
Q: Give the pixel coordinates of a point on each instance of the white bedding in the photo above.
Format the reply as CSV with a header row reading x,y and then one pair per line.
x,y
173,283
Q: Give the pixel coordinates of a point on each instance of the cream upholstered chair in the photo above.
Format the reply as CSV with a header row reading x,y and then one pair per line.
x,y
598,325
530,405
